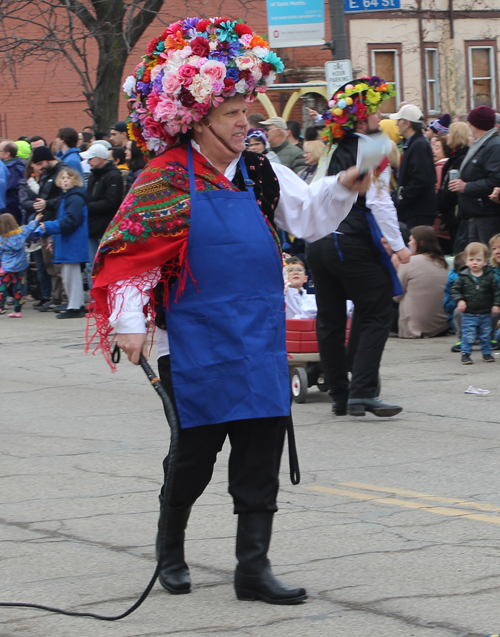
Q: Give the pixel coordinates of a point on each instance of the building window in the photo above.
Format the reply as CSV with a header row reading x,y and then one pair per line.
x,y
482,74
432,80
385,61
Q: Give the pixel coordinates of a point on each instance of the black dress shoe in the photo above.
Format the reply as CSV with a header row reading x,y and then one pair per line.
x,y
339,407
358,407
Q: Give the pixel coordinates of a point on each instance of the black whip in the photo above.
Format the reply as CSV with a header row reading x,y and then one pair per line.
x,y
167,489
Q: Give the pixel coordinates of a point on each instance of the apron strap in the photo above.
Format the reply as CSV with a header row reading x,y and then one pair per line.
x,y
248,182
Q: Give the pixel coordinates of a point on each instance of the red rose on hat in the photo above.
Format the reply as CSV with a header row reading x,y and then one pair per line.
x,y
203,25
150,49
241,29
200,46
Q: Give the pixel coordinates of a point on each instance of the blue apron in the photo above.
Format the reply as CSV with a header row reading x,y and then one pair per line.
x,y
227,332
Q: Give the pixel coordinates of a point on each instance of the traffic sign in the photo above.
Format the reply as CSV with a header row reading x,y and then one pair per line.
x,y
337,72
371,5
292,23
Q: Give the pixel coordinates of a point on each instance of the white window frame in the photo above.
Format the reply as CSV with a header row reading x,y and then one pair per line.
x,y
491,78
397,79
433,84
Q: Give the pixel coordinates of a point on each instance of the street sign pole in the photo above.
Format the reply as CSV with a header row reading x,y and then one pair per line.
x,y
338,45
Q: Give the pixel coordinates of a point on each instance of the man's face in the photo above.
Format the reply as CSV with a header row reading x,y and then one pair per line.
x,y
42,166
97,162
373,123
4,155
229,121
403,126
275,135
296,275
37,144
117,139
58,143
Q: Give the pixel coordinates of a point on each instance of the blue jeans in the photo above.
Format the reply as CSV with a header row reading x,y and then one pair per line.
x,y
44,279
476,325
93,247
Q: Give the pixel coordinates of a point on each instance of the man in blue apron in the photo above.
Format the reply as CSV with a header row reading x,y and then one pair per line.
x,y
353,264
198,225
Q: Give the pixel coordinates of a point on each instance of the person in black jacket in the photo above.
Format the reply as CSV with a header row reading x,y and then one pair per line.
x,y
458,141
105,195
416,200
479,176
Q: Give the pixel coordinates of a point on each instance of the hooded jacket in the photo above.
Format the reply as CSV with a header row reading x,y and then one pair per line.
x,y
480,294
50,192
71,158
71,241
13,254
105,194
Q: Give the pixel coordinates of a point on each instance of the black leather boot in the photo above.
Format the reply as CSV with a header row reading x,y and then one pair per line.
x,y
358,407
253,578
174,572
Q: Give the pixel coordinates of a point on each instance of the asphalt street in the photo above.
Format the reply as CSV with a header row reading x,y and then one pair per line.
x,y
394,529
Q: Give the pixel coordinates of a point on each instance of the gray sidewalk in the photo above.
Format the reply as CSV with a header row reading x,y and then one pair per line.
x,y
394,529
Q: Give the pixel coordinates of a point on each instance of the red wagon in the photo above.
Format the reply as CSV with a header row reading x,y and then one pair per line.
x,y
303,357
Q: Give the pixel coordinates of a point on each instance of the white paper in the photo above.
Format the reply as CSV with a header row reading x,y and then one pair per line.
x,y
477,390
371,151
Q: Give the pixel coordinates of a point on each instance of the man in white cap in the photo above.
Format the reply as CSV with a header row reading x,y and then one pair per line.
x,y
416,201
277,133
105,194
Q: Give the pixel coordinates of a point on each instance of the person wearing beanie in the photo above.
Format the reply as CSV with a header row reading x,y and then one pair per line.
x,y
479,176
15,167
23,149
439,126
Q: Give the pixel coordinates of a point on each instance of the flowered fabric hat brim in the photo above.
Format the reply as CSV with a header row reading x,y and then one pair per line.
x,y
354,102
193,66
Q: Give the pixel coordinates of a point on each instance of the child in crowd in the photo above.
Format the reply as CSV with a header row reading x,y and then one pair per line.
x,y
477,295
71,244
299,304
450,307
495,265
14,260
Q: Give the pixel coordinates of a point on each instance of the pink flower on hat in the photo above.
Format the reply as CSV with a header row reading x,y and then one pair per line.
x,y
166,108
215,70
201,88
171,83
186,71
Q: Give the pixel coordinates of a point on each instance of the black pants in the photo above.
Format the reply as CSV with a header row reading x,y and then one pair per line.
x,y
351,271
254,461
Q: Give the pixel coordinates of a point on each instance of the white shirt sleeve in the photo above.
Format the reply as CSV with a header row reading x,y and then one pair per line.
x,y
312,211
379,200
127,300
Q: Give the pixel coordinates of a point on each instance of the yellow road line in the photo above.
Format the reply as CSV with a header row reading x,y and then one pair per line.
x,y
423,496
491,519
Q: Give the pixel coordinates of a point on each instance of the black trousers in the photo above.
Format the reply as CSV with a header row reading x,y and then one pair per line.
x,y
351,269
254,461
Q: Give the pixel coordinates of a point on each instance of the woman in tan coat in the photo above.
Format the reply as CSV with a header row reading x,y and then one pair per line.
x,y
423,279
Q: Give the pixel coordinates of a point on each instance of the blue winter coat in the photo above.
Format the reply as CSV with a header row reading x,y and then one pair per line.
x,y
13,248
71,241
16,170
72,159
496,272
4,176
449,304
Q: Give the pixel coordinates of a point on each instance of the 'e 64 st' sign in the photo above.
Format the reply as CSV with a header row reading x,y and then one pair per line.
x,y
372,5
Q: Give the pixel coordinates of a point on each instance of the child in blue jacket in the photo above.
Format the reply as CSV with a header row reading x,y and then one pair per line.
x,y
71,240
495,266
14,259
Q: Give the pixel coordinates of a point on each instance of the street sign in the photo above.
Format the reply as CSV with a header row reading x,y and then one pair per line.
x,y
371,5
292,23
337,72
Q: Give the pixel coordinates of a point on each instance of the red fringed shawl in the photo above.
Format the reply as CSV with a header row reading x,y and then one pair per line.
x,y
149,231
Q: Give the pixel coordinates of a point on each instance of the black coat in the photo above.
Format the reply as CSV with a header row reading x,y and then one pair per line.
x,y
447,199
50,191
105,195
417,180
482,174
481,295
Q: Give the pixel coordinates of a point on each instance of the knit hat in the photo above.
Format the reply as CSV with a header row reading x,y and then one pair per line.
x,y
441,126
121,127
482,117
258,133
42,153
352,103
23,149
193,66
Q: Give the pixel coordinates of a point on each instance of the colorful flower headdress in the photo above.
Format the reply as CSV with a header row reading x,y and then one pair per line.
x,y
353,103
190,68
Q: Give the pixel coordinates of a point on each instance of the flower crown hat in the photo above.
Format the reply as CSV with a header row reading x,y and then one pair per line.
x,y
193,66
353,103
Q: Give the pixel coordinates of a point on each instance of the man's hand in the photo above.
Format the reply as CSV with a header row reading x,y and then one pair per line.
x,y
495,195
457,185
403,255
351,180
39,204
495,309
133,345
462,306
